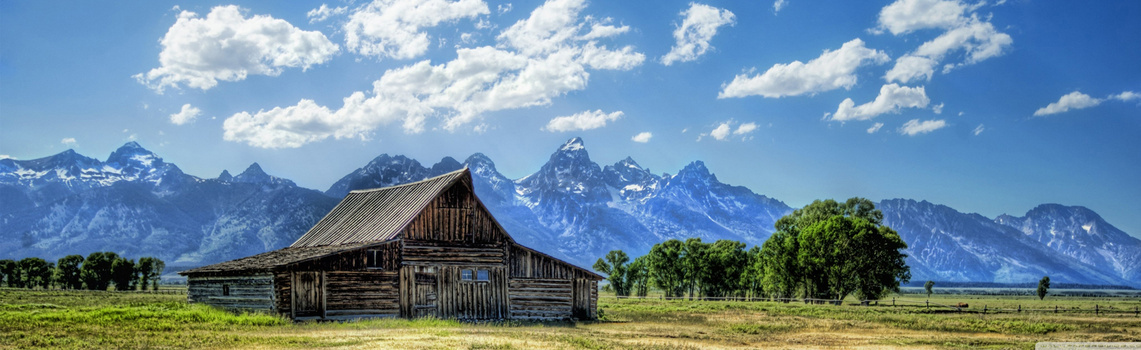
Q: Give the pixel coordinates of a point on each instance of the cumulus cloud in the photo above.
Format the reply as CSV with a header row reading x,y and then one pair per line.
x,y
875,127
68,141
227,46
721,132
963,31
778,5
186,115
1126,96
938,109
394,28
915,127
696,30
1073,100
832,70
537,59
323,13
745,129
978,130
642,137
585,120
891,99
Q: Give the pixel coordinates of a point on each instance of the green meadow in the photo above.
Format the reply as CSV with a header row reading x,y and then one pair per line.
x,y
87,319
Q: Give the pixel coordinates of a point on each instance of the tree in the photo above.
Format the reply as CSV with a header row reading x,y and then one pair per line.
x,y
752,278
10,272
666,271
157,268
693,265
123,273
35,272
848,250
615,268
67,271
96,270
638,276
725,261
928,286
1043,287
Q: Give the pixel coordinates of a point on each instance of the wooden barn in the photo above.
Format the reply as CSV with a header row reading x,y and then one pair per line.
x,y
428,248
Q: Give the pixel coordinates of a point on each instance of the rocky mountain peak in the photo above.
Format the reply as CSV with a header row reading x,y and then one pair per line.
x,y
446,165
225,176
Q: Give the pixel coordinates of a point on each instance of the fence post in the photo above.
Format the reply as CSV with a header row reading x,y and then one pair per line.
x,y
1055,308
1096,310
984,309
1019,308
892,301
928,305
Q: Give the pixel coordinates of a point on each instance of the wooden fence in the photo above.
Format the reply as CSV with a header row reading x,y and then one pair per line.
x,y
1097,310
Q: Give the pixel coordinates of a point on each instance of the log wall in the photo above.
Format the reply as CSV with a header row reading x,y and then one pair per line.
x,y
254,291
473,300
351,294
540,298
525,263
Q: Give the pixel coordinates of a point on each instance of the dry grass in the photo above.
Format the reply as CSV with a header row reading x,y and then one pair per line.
x,y
55,319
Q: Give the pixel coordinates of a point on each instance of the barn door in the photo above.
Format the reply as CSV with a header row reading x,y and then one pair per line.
x,y
426,293
308,294
580,295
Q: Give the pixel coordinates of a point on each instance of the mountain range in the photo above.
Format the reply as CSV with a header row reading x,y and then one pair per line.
x,y
136,204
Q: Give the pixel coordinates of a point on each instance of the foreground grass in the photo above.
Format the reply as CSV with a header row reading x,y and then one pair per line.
x,y
77,319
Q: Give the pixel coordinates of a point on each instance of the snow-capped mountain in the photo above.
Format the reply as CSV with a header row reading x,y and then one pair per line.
x,y
136,204
946,245
1080,233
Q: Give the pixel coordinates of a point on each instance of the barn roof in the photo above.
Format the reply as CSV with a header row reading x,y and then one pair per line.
x,y
377,214
268,260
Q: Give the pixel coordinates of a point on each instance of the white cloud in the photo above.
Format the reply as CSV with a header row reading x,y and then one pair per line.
x,y
745,128
585,120
504,8
186,115
909,68
5,156
323,13
1073,100
227,46
721,132
875,127
938,109
778,5
537,59
68,141
642,137
393,28
914,127
891,99
1126,96
696,30
905,16
978,130
832,70
1078,100
963,31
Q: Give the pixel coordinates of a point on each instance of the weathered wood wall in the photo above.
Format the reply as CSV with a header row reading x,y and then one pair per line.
x,y
475,300
253,291
540,298
351,294
526,263
455,217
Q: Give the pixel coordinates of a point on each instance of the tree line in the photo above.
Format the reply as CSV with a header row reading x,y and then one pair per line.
x,y
826,250
98,271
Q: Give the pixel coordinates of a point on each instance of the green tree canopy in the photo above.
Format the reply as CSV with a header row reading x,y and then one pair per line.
x,y
638,276
96,270
615,267
10,272
68,271
35,272
1043,287
123,273
927,286
666,270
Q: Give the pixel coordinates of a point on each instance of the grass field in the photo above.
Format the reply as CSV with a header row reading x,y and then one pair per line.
x,y
81,319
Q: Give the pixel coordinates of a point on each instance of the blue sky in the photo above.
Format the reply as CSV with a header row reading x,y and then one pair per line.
x,y
990,107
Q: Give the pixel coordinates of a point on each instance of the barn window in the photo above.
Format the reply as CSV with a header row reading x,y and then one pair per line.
x,y
373,259
482,275
465,275
225,290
